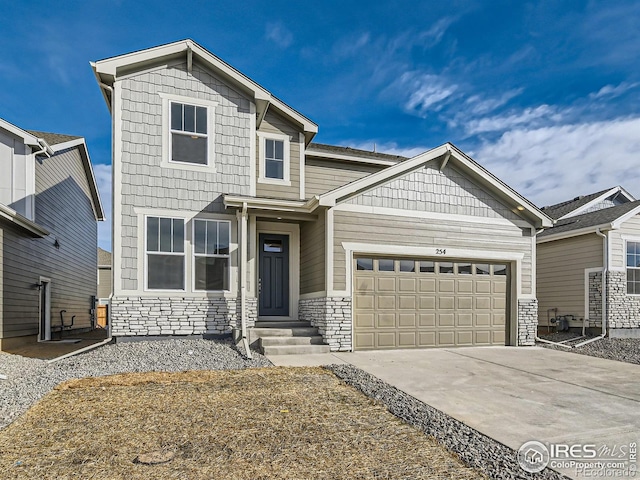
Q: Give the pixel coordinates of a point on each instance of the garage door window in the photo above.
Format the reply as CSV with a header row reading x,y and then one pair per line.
x,y
445,267
407,266
385,265
427,267
364,264
482,269
464,268
499,269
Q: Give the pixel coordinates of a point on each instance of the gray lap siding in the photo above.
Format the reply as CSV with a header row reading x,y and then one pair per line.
x,y
62,206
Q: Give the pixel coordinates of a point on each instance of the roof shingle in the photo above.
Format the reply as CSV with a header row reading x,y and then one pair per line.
x,y
591,219
561,209
53,138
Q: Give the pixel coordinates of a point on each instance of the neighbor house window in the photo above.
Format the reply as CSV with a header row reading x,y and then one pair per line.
x,y
274,158
165,253
633,268
211,239
189,134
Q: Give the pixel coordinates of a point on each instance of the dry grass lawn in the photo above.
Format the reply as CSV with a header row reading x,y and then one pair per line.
x,y
285,423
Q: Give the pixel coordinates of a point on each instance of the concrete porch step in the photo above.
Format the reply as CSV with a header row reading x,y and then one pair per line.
x,y
282,324
295,349
276,341
285,332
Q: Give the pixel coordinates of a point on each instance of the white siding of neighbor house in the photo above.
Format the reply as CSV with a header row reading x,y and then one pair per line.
x,y
274,123
148,185
16,174
560,274
629,229
62,206
430,190
323,175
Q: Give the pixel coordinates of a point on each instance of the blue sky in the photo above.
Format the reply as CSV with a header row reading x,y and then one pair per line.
x,y
544,94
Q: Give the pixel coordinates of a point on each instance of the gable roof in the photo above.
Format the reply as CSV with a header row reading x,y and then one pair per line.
x,y
53,138
108,70
29,138
607,218
448,153
583,202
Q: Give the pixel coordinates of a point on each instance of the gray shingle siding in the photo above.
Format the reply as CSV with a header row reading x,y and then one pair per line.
x,y
145,183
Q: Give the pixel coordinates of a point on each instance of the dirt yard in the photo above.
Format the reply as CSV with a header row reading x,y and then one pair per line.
x,y
245,424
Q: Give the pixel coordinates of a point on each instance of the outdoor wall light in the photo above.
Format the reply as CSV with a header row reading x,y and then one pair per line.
x,y
37,285
56,244
520,208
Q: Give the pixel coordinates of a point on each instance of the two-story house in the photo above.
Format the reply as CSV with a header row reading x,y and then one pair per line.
x,y
226,214
49,208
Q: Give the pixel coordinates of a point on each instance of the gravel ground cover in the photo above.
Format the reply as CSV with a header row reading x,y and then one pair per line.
x,y
620,349
286,423
29,379
494,459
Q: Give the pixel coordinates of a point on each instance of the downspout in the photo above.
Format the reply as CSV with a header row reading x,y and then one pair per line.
x,y
605,271
243,280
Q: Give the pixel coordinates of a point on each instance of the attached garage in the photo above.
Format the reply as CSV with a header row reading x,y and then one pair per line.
x,y
414,303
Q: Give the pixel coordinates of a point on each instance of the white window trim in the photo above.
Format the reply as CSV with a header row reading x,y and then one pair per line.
x,y
166,132
286,180
626,267
194,254
183,253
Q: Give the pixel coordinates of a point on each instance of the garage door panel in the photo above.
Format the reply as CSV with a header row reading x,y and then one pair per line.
x,y
406,339
386,320
462,306
407,284
386,302
385,285
406,320
386,340
364,320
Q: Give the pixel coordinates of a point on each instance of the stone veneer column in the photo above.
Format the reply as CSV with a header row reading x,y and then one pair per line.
x,y
527,321
332,317
623,311
595,299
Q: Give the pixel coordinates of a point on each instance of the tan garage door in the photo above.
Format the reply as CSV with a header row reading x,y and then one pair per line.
x,y
410,303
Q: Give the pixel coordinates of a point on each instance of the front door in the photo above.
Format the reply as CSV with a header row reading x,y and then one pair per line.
x,y
274,275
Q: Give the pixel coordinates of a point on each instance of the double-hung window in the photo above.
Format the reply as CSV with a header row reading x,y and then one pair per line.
x,y
633,268
189,134
211,254
274,158
165,253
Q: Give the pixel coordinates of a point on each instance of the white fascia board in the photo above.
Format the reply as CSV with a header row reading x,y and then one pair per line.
x,y
623,218
311,152
110,66
88,167
574,233
14,217
586,206
27,137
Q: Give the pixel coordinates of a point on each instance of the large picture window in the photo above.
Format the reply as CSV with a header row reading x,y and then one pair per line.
x,y
189,136
633,268
165,253
211,239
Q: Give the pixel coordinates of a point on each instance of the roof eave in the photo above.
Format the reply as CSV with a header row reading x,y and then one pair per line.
x,y
22,222
574,233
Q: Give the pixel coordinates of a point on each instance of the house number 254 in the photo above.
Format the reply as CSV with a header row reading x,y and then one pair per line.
x,y
441,251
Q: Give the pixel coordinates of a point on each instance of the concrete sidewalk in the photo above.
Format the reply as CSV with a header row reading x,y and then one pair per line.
x,y
514,395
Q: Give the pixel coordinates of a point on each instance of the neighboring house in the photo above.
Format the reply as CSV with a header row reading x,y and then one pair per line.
x,y
225,213
104,275
49,206
593,233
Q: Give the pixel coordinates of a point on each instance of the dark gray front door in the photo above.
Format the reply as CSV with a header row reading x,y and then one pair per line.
x,y
274,275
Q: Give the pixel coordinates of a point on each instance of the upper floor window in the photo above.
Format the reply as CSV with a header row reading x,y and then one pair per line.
x,y
189,139
633,268
165,253
274,158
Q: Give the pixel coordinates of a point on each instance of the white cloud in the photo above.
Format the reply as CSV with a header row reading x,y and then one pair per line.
x,y
427,93
279,34
556,163
613,91
103,179
434,35
533,116
480,106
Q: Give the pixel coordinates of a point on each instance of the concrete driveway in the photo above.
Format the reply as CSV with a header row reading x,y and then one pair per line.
x,y
514,395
